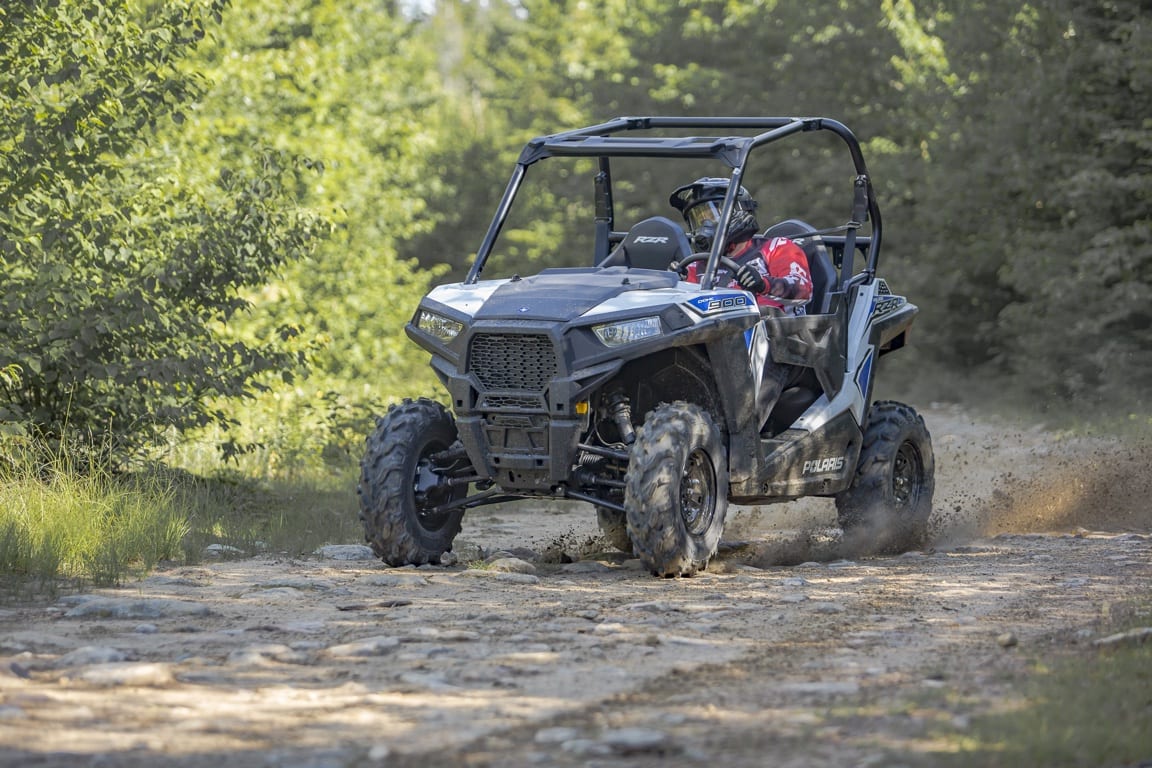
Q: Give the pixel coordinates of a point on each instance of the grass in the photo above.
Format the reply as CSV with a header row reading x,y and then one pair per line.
x,y
62,527
58,524
1089,707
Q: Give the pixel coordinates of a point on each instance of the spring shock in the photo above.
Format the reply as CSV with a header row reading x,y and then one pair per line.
x,y
621,411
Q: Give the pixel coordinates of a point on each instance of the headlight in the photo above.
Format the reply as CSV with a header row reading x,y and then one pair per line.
x,y
443,328
627,331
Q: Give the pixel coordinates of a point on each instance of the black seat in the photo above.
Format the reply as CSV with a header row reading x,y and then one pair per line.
x,y
820,265
653,243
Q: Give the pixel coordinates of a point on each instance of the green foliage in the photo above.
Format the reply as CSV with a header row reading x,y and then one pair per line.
x,y
353,85
1036,208
121,274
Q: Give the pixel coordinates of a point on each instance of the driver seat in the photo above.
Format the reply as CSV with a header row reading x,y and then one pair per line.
x,y
653,243
820,266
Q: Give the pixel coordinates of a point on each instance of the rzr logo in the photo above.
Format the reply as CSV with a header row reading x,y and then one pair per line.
x,y
650,239
884,306
822,466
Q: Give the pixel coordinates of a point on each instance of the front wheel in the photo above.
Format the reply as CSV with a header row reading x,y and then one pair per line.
x,y
676,491
886,508
404,479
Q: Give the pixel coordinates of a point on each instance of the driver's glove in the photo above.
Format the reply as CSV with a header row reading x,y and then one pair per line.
x,y
750,279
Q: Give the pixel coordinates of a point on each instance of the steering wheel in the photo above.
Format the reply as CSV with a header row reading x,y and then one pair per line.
x,y
681,267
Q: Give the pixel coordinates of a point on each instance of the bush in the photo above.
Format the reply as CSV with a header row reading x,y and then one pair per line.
x,y
121,274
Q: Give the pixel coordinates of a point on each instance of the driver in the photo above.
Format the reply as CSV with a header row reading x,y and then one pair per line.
x,y
775,272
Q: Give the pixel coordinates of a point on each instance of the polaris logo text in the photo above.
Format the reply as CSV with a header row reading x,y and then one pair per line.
x,y
821,466
650,239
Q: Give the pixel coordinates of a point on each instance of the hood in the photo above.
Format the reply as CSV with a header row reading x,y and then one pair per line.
x,y
564,294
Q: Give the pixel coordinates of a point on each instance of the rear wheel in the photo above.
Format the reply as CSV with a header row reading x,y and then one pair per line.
x,y
676,492
886,508
403,481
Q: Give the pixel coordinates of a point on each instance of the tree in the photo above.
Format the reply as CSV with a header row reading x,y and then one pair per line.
x,y
120,274
352,84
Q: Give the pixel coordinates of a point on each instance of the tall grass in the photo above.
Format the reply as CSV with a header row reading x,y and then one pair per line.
x,y
67,524
86,527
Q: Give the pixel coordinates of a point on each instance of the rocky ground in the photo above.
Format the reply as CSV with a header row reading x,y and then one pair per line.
x,y
783,653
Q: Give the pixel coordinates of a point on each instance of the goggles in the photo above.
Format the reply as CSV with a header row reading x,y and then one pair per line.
x,y
701,214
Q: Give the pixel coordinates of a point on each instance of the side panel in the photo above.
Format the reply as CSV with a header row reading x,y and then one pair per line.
x,y
801,463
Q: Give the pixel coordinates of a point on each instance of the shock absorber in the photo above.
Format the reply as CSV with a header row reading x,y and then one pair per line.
x,y
621,411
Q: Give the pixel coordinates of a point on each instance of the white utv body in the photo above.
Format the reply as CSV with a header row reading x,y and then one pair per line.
x,y
625,386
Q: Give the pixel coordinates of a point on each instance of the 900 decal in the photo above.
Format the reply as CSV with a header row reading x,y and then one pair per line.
x,y
726,302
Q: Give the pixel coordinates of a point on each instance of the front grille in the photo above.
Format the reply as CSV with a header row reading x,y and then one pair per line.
x,y
511,401
512,361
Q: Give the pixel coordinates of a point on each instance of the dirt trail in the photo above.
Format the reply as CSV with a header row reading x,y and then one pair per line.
x,y
324,661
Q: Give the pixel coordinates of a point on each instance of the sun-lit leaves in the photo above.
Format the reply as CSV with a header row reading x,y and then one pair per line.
x,y
119,272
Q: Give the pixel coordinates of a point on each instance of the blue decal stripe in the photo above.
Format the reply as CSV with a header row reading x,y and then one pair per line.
x,y
864,375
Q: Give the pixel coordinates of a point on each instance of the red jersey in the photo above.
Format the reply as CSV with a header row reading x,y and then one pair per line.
x,y
782,264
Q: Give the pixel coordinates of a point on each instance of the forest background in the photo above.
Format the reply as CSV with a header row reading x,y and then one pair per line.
x,y
216,217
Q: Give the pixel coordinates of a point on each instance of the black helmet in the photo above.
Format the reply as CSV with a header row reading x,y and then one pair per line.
x,y
699,203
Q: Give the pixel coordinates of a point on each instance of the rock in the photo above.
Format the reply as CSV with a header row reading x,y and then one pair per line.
x,y
90,654
588,747
820,688
128,674
651,606
11,713
424,634
633,741
467,552
521,553
297,584
154,608
145,629
555,735
397,580
1007,640
223,550
1131,637
345,552
369,646
275,594
827,607
261,653
511,565
592,566
517,578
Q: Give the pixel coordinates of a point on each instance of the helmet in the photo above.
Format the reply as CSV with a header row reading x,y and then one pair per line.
x,y
699,203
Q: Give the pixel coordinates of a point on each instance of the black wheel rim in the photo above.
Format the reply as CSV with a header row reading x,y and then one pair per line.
x,y
429,490
907,469
698,493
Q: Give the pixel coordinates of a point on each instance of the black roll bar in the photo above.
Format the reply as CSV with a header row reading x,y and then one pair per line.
x,y
615,138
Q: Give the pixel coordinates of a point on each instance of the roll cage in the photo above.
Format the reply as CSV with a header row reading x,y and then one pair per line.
x,y
617,138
